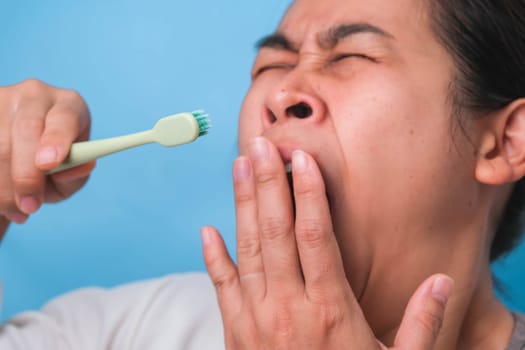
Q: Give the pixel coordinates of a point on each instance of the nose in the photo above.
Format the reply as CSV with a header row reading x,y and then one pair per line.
x,y
293,98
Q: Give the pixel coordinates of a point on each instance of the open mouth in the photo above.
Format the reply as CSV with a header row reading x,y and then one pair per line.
x,y
289,177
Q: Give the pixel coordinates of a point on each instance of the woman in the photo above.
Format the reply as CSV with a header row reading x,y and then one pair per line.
x,y
404,124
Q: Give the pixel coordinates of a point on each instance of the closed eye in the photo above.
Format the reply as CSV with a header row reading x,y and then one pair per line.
x,y
344,56
271,67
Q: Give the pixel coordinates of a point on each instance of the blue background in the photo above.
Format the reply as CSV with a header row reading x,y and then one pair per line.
x,y
134,62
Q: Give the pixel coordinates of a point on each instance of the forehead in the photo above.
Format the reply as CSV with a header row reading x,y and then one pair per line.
x,y
401,18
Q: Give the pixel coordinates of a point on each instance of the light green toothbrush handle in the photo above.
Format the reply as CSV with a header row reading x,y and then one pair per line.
x,y
169,131
83,152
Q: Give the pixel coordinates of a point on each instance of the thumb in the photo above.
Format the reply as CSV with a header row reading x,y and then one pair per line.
x,y
424,314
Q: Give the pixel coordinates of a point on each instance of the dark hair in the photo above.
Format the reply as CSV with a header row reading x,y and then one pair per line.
x,y
486,39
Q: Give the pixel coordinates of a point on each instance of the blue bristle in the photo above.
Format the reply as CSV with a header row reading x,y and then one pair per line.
x,y
203,120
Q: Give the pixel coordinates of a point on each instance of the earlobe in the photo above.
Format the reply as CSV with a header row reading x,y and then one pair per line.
x,y
502,148
494,171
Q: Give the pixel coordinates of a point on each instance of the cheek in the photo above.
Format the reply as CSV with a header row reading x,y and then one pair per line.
x,y
387,128
397,144
386,116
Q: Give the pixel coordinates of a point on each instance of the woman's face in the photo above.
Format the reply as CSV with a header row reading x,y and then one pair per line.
x,y
362,86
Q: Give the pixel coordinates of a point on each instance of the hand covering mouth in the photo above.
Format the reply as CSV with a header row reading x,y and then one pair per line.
x,y
289,177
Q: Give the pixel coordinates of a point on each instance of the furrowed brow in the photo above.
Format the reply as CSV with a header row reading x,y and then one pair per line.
x,y
333,36
276,41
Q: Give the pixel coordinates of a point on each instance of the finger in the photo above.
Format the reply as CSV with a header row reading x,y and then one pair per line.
x,y
275,219
424,314
4,223
249,259
8,206
66,122
222,272
6,193
318,249
28,180
16,216
67,182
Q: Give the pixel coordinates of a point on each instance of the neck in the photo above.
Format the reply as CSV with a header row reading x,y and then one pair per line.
x,y
474,319
487,324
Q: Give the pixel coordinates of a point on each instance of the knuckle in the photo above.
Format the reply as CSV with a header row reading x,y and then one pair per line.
x,y
244,199
30,92
277,321
311,229
274,228
266,178
32,87
430,320
307,191
249,247
330,316
223,281
73,99
222,277
310,232
73,95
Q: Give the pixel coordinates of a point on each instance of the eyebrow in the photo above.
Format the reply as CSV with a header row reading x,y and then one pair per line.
x,y
333,36
277,41
328,39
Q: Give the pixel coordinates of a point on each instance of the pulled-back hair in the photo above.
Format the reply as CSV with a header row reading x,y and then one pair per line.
x,y
486,39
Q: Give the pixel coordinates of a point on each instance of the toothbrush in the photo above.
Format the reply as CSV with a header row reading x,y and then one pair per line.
x,y
169,131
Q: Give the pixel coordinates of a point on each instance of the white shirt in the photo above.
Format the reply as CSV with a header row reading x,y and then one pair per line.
x,y
174,312
170,313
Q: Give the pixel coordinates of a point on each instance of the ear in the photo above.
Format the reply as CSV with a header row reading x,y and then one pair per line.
x,y
501,156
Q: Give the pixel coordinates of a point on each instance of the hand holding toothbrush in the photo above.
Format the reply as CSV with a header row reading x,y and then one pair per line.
x,y
44,155
38,124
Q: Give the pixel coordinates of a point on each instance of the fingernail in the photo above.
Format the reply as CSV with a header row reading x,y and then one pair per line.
x,y
46,155
241,169
442,288
259,149
207,236
28,204
299,162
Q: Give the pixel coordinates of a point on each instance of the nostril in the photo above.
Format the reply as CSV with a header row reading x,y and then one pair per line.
x,y
300,110
272,116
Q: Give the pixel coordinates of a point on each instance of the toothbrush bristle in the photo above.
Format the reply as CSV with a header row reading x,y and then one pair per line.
x,y
203,119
